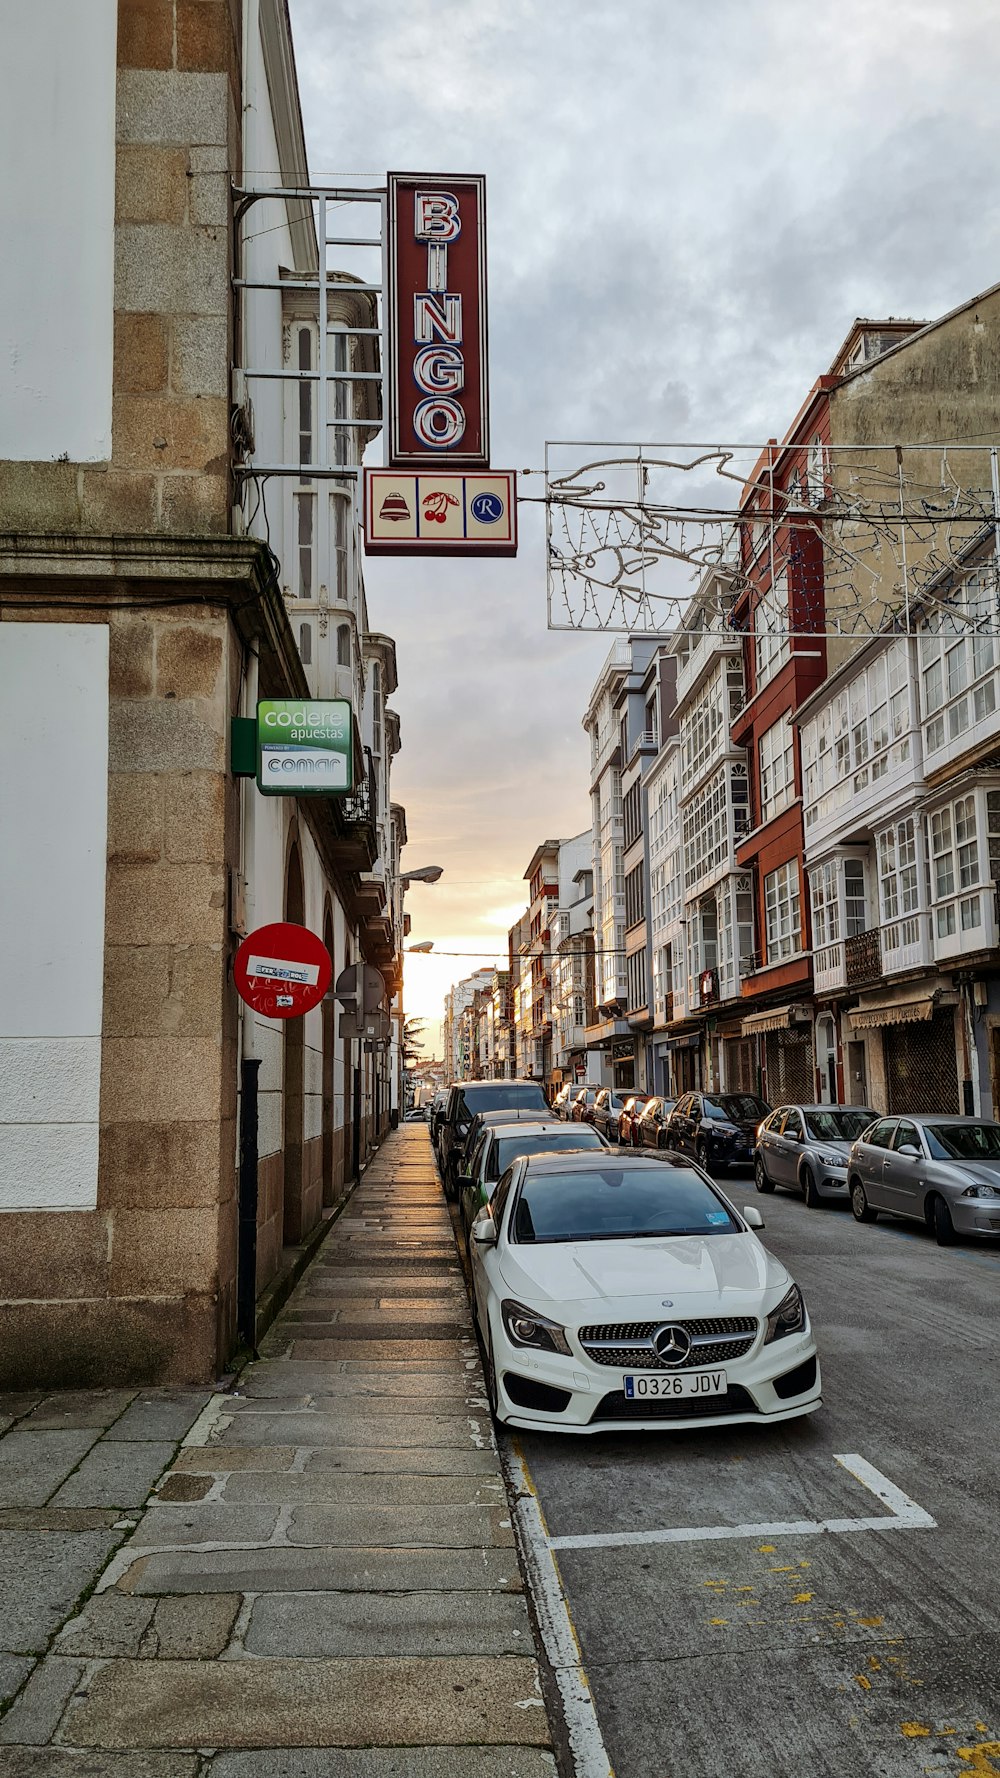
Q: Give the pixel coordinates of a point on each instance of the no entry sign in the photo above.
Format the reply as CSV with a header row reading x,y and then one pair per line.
x,y
282,971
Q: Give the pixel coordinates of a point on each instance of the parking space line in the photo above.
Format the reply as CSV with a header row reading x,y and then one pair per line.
x,y
906,1515
559,1638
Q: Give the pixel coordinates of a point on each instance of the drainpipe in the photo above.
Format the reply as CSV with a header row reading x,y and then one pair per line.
x,y
249,1062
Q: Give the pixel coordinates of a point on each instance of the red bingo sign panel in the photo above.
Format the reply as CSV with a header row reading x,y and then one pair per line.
x,y
437,349
282,970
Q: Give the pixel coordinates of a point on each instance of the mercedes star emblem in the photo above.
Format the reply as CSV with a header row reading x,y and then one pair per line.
x,y
671,1344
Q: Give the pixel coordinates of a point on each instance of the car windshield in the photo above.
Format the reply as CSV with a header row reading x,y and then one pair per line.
x,y
511,1147
838,1126
963,1142
498,1097
739,1108
617,1204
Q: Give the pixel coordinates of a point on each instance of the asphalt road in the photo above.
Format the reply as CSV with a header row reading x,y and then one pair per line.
x,y
835,1654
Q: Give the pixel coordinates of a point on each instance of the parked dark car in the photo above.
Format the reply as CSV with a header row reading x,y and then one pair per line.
x,y
608,1107
582,1106
500,1144
470,1096
496,1120
651,1124
719,1129
633,1106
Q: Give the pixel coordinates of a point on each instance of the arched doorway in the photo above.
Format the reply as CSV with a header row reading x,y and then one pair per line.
x,y
330,1183
292,1075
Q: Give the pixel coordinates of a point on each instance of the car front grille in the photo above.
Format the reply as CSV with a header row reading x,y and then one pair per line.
x,y
628,1345
618,1406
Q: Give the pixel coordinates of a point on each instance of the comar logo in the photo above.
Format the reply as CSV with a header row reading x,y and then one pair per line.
x,y
436,506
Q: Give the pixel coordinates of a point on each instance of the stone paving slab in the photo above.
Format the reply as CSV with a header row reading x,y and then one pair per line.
x,y
318,1486
59,1762
14,1670
403,1351
315,1624
32,1464
79,1407
416,1460
34,1717
373,1762
165,1527
287,1570
115,1474
400,1430
207,1459
383,1527
325,1703
158,1414
42,1574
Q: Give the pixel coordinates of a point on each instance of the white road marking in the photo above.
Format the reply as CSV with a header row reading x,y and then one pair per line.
x,y
589,1754
906,1515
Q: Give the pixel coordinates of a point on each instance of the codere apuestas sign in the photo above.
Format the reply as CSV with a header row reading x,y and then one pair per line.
x,y
304,746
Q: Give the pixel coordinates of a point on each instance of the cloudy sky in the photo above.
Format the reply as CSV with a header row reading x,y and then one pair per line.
x,y
689,201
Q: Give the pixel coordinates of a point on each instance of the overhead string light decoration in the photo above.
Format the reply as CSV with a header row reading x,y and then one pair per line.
x,y
852,538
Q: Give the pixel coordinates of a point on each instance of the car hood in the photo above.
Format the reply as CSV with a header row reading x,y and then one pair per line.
x,y
725,1273
836,1144
978,1172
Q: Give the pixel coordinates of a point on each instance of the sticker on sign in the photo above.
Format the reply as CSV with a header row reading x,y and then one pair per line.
x,y
277,970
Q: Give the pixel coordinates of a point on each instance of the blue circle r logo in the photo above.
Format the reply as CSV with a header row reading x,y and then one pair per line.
x,y
487,508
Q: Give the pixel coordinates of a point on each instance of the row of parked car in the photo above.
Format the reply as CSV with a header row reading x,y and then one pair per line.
x,y
943,1171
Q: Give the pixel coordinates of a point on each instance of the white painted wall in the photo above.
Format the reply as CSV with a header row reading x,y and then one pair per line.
x,y
57,143
53,845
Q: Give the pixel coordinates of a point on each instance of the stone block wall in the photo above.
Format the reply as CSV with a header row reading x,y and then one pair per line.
x,y
178,142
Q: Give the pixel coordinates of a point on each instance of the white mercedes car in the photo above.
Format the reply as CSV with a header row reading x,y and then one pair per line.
x,y
620,1291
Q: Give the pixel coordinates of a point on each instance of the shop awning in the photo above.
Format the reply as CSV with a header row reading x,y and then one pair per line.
x,y
777,1018
689,1041
898,1012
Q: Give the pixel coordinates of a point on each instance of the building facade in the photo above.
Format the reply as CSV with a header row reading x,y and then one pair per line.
x,y
154,589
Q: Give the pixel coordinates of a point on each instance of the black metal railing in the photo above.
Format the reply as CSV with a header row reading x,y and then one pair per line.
x,y
361,807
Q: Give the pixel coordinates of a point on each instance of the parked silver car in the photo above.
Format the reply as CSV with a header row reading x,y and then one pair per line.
x,y
805,1149
943,1171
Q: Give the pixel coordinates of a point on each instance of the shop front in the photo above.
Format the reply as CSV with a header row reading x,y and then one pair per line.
x,y
783,1037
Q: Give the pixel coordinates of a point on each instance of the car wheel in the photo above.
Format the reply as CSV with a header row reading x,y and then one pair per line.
x,y
809,1191
760,1178
701,1153
861,1210
941,1223
490,1371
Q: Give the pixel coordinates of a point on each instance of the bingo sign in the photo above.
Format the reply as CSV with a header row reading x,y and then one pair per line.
x,y
304,746
437,369
282,971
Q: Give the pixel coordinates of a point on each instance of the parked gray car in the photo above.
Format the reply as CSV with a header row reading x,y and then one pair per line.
x,y
805,1148
942,1171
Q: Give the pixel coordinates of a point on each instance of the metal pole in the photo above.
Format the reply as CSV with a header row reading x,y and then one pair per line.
x,y
246,1269
356,1120
995,478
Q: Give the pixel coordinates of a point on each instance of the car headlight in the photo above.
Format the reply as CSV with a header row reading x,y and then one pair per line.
x,y
981,1191
830,1158
727,1131
788,1318
525,1327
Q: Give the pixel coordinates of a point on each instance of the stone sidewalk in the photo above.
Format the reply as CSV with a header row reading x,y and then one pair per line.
x,y
328,1562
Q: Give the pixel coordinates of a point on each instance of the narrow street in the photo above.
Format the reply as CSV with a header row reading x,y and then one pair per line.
x,y
767,1652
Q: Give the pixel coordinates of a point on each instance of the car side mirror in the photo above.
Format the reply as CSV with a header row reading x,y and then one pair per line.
x,y
484,1231
752,1217
912,1153
464,1179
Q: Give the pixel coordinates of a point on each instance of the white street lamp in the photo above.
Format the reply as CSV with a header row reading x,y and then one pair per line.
x,y
428,873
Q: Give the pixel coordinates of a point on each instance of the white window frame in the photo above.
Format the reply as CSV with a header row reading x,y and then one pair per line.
x,y
783,912
772,642
777,768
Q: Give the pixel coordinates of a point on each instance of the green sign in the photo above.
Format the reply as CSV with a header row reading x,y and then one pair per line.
x,y
304,747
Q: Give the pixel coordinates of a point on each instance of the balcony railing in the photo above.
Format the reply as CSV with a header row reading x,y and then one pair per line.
x,y
906,943
829,968
863,959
